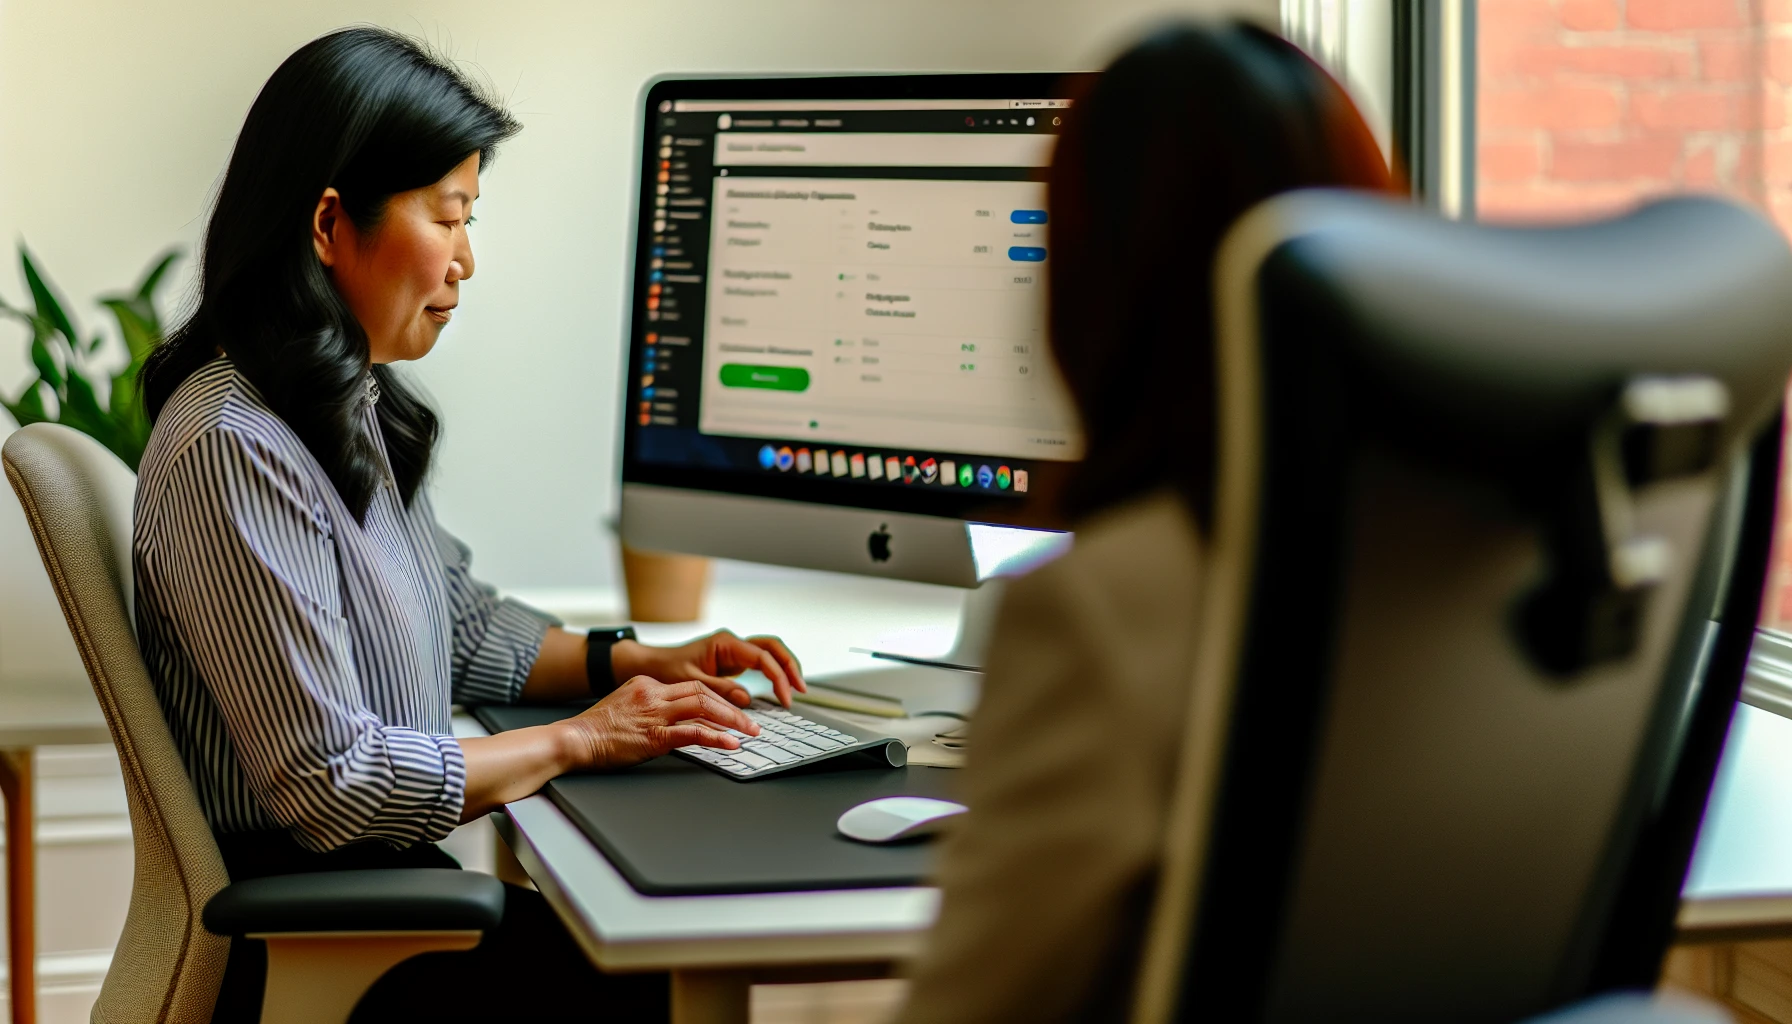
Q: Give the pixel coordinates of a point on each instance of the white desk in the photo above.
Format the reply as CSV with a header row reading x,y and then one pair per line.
x,y
1740,884
717,946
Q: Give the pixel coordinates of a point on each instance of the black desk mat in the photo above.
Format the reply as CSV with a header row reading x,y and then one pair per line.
x,y
676,829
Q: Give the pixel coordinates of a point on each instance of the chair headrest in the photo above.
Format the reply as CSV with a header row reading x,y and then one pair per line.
x,y
80,494
1572,365
1505,339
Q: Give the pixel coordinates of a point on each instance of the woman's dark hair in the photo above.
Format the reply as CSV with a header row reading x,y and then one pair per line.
x,y
372,114
1183,134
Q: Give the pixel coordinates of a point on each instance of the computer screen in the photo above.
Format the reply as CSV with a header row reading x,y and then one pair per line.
x,y
840,291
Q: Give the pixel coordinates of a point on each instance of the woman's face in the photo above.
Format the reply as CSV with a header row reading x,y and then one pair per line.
x,y
402,279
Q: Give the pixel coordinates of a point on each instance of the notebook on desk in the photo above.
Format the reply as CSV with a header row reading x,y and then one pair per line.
x,y
673,828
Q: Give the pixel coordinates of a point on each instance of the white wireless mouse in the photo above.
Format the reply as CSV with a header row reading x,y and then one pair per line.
x,y
888,819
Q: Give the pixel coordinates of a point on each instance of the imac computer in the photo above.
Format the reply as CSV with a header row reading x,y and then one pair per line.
x,y
837,351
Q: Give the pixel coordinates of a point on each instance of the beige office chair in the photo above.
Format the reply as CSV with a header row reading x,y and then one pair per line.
x,y
1491,521
329,935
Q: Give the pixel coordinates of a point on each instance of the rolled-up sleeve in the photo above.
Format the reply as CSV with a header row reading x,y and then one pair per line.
x,y
256,596
496,639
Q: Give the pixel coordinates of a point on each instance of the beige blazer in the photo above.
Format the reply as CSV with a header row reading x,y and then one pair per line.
x,y
1047,880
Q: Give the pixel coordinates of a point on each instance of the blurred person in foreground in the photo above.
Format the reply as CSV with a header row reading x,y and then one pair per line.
x,y
1048,880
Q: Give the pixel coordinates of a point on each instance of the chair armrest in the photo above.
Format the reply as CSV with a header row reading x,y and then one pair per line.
x,y
383,900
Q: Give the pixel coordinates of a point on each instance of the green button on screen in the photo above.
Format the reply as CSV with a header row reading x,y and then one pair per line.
x,y
775,378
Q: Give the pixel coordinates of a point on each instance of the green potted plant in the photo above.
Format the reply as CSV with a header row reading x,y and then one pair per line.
x,y
67,366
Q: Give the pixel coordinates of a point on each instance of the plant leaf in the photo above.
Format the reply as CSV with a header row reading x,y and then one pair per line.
x,y
29,408
141,333
125,400
48,309
44,361
82,411
146,289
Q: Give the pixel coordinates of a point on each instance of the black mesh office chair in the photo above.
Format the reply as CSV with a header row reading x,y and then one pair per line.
x,y
1491,523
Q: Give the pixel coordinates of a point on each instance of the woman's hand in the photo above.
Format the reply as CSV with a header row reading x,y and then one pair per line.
x,y
714,660
645,718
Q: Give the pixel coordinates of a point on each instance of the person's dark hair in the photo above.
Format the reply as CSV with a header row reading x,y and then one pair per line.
x,y
1183,134
372,114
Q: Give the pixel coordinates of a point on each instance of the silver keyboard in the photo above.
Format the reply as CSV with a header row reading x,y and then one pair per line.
x,y
788,740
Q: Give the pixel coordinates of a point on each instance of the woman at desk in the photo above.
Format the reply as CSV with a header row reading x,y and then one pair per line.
x,y
306,621
1047,882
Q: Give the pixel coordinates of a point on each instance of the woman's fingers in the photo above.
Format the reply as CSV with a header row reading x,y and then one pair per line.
x,y
731,654
702,702
730,689
686,733
769,667
787,660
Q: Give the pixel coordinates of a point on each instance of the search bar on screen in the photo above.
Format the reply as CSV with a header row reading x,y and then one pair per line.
x,y
867,149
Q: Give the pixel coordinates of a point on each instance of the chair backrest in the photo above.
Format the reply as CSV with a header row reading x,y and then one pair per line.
x,y
1460,694
77,497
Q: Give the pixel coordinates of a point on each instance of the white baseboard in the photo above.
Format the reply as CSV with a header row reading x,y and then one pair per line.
x,y
67,985
84,861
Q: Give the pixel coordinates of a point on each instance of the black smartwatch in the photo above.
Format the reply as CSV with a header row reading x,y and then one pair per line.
x,y
598,673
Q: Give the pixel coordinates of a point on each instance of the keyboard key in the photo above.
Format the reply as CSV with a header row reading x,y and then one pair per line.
x,y
767,750
785,738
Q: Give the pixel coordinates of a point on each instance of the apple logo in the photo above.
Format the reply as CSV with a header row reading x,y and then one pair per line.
x,y
879,543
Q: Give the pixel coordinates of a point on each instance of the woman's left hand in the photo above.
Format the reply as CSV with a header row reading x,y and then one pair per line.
x,y
714,660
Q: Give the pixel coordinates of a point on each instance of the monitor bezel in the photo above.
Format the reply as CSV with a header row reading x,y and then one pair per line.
x,y
939,502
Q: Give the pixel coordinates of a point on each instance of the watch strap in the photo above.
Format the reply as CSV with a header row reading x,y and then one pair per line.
x,y
599,675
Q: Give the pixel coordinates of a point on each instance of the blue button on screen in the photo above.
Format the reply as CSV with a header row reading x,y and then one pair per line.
x,y
1027,253
1027,216
768,457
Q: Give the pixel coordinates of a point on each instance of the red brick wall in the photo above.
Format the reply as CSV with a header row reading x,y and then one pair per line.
x,y
1586,106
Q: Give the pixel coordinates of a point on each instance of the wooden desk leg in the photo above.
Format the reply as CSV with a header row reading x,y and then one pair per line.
x,y
21,883
710,997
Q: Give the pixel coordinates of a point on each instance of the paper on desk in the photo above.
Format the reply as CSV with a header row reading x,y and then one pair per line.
x,y
917,734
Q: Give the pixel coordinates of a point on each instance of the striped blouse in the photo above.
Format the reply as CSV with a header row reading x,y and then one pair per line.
x,y
306,661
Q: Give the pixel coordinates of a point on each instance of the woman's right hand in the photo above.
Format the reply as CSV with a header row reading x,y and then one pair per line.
x,y
644,718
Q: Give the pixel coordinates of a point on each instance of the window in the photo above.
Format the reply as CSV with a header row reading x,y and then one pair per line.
x,y
1584,107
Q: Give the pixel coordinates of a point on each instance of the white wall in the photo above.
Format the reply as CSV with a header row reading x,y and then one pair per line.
x,y
116,118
